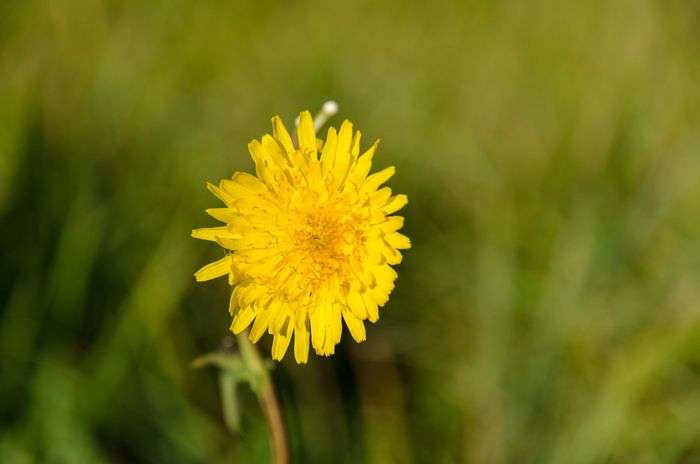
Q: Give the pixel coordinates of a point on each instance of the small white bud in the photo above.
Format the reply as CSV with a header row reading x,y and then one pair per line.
x,y
328,109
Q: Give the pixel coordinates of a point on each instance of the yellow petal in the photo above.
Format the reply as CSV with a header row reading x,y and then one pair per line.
x,y
281,342
385,275
222,214
395,204
398,241
248,294
281,323
318,330
233,301
301,346
299,161
328,151
372,307
392,255
259,326
355,326
336,328
234,276
362,167
355,147
242,319
306,133
213,233
391,224
235,190
345,137
281,134
263,161
220,194
228,243
269,316
342,153
356,305
249,182
277,154
373,182
380,295
380,197
213,270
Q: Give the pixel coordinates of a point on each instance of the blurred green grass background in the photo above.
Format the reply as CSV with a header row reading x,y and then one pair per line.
x,y
549,311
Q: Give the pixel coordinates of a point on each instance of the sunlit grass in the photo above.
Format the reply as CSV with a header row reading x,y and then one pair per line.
x,y
546,313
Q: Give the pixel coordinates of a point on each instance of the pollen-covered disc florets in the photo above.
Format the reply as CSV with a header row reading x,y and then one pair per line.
x,y
310,239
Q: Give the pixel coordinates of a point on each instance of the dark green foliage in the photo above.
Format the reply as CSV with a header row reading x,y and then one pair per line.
x,y
547,313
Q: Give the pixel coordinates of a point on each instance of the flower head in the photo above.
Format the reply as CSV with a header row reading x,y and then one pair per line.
x,y
309,239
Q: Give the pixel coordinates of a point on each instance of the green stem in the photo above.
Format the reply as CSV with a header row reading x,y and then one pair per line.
x,y
267,398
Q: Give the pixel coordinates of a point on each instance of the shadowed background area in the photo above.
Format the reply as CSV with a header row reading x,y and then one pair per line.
x,y
549,311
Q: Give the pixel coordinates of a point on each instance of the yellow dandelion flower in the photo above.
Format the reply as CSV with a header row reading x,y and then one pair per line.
x,y
310,239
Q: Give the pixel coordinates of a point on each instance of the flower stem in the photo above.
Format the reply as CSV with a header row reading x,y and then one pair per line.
x,y
267,398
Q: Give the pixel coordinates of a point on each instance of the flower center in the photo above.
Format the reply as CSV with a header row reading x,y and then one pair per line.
x,y
324,238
